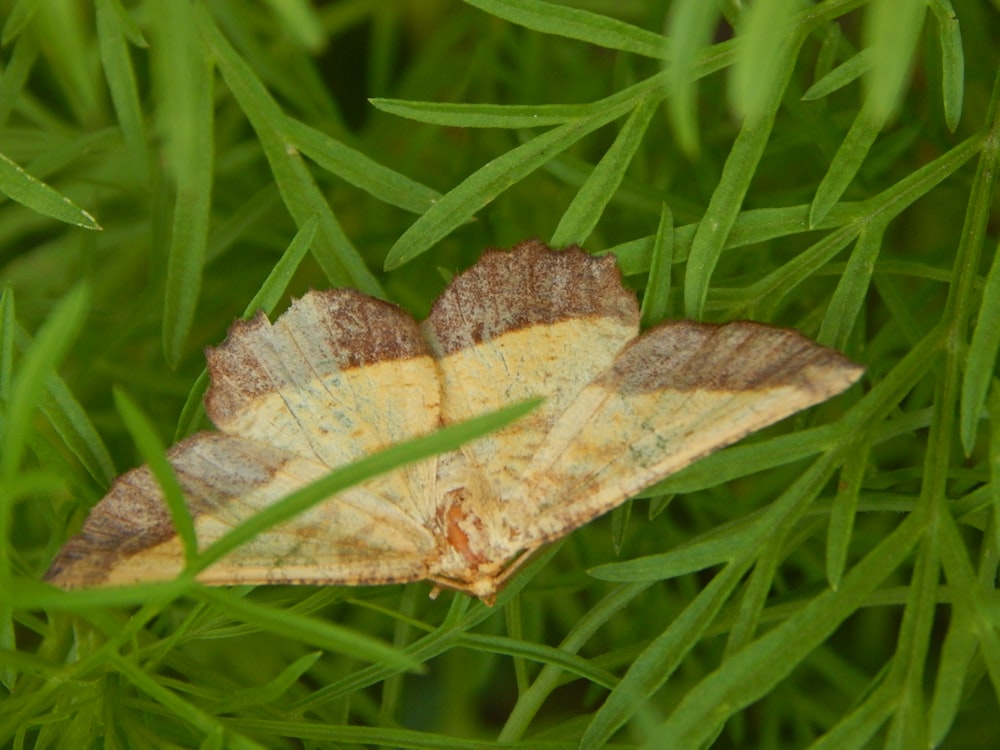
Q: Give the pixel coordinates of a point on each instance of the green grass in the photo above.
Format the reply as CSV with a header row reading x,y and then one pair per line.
x,y
170,166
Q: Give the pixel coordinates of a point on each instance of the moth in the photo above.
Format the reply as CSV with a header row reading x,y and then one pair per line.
x,y
340,375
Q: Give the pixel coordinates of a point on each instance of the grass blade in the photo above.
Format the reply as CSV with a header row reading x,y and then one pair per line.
x,y
333,251
39,363
309,630
845,165
656,298
766,26
187,116
69,419
112,31
952,61
359,170
575,23
892,28
847,72
32,193
599,189
852,289
690,31
153,455
980,366
460,204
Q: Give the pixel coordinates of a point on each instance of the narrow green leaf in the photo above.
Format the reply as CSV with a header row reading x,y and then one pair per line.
x,y
192,416
846,163
659,660
28,384
952,60
309,630
766,26
994,458
276,283
64,26
70,421
656,297
765,576
583,629
981,360
957,652
127,25
852,289
302,22
575,23
463,616
8,644
842,513
972,594
188,113
754,671
32,193
693,557
359,170
179,707
39,363
152,451
520,646
724,207
18,17
857,726
620,517
8,324
598,190
689,33
744,459
892,30
909,661
265,694
461,203
461,115
848,71
15,74
332,249
118,72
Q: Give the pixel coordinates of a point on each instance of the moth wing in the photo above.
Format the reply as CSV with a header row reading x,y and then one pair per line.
x,y
677,393
519,324
339,376
359,536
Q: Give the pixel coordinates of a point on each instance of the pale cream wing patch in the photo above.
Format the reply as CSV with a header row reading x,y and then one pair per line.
x,y
676,394
518,324
339,376
360,536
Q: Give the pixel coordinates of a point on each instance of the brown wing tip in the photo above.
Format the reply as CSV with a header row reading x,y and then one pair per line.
x,y
530,284
687,355
130,519
358,330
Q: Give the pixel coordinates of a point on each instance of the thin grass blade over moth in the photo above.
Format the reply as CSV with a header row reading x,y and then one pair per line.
x,y
341,375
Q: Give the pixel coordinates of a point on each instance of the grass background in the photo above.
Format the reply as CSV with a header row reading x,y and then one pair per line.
x,y
828,584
